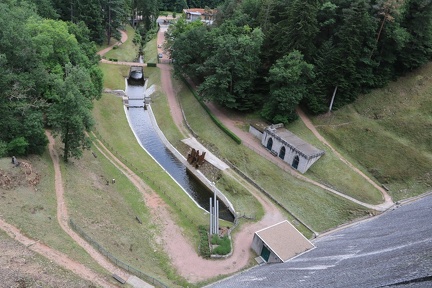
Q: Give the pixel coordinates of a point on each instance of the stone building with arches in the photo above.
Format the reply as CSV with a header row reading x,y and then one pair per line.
x,y
284,144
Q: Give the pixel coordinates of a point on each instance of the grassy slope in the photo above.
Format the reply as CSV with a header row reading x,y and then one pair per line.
x,y
55,276
389,132
127,52
316,207
150,52
114,76
34,212
122,142
331,171
107,213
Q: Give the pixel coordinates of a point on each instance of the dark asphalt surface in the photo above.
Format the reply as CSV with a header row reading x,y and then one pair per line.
x,y
391,250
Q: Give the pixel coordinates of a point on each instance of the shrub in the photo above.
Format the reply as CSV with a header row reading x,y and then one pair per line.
x,y
3,148
204,248
18,146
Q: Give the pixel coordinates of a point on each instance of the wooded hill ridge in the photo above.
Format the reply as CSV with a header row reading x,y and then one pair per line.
x,y
259,55
272,55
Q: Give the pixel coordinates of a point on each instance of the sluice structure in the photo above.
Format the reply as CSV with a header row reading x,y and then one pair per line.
x,y
136,75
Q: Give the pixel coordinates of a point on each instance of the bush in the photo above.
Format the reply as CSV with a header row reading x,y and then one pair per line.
x,y
3,148
224,243
18,146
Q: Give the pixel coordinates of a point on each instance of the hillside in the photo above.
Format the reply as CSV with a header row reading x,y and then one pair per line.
x,y
389,132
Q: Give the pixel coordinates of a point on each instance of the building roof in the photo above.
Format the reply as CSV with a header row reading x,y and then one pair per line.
x,y
284,240
199,11
289,139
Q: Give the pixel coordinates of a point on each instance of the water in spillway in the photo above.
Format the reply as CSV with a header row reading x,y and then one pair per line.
x,y
149,138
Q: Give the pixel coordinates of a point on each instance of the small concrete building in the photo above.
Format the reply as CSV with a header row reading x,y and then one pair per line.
x,y
290,148
280,242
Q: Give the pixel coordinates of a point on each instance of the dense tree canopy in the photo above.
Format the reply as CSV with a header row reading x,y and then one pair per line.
x,y
288,79
46,66
349,46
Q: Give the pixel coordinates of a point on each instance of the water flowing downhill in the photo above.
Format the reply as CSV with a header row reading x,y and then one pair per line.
x,y
146,133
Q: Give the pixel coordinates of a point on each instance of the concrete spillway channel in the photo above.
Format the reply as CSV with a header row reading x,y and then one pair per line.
x,y
145,128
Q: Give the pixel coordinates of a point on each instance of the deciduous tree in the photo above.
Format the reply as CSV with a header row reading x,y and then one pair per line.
x,y
288,79
231,67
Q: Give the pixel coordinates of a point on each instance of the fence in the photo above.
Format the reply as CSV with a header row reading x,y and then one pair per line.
x,y
114,260
144,175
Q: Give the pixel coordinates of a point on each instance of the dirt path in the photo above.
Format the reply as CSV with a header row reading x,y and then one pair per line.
x,y
124,38
55,256
62,216
387,199
182,254
253,143
167,87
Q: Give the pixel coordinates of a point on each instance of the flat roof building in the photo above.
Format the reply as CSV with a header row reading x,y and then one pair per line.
x,y
280,242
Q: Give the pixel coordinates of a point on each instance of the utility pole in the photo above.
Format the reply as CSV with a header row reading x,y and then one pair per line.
x,y
331,102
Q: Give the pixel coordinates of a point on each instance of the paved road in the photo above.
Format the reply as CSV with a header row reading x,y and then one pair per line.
x,y
392,250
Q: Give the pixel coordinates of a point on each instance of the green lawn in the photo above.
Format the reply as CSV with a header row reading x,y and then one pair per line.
x,y
114,75
126,52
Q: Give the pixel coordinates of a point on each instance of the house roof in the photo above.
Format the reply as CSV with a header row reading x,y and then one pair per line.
x,y
289,139
284,240
199,11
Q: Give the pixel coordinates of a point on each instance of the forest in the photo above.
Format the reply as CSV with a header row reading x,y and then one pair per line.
x,y
49,70
265,56
272,55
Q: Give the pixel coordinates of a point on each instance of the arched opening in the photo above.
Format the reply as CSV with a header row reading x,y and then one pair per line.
x,y
270,144
282,153
295,162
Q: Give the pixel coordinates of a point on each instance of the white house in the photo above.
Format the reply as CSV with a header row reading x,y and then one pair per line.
x,y
206,16
290,148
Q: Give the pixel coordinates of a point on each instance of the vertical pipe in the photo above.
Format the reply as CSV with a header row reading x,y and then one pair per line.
x,y
211,218
217,218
